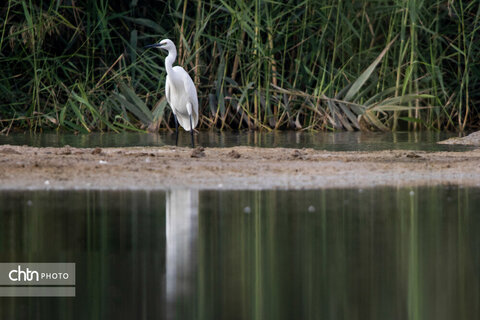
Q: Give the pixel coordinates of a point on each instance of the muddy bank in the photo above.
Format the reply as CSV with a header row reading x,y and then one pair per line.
x,y
229,168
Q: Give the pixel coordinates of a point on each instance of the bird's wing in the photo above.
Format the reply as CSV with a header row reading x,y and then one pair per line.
x,y
192,96
191,91
167,90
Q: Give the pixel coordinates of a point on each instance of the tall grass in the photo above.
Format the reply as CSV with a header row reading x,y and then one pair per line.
x,y
305,65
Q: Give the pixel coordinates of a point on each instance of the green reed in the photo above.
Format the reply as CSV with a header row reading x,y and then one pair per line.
x,y
305,65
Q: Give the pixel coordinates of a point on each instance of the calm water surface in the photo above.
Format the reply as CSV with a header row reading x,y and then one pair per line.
x,y
380,253
337,141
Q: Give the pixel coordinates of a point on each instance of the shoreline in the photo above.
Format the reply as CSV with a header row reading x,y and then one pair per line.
x,y
237,168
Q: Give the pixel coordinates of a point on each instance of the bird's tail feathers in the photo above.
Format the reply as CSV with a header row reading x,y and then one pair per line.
x,y
185,122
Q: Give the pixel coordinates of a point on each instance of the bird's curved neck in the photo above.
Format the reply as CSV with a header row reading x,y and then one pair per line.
x,y
170,59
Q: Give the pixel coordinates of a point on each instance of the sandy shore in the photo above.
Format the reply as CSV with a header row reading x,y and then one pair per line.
x,y
472,139
229,168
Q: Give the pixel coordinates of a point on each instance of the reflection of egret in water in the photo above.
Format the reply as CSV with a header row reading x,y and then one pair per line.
x,y
181,233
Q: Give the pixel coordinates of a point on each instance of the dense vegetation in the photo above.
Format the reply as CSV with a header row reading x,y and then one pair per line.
x,y
313,64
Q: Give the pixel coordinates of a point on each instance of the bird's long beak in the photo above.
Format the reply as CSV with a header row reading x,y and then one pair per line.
x,y
155,45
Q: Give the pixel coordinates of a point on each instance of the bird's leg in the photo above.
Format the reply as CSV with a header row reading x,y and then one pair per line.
x,y
191,131
176,129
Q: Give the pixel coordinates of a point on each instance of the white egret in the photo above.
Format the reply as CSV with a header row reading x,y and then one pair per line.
x,y
180,91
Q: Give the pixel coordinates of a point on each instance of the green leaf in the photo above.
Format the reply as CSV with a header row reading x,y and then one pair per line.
x,y
159,109
391,108
410,119
366,74
404,99
79,115
134,104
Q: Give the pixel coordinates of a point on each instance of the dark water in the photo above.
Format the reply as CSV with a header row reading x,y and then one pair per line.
x,y
336,141
380,253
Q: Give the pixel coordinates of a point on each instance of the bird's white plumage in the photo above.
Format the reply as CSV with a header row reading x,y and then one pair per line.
x,y
180,90
167,90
